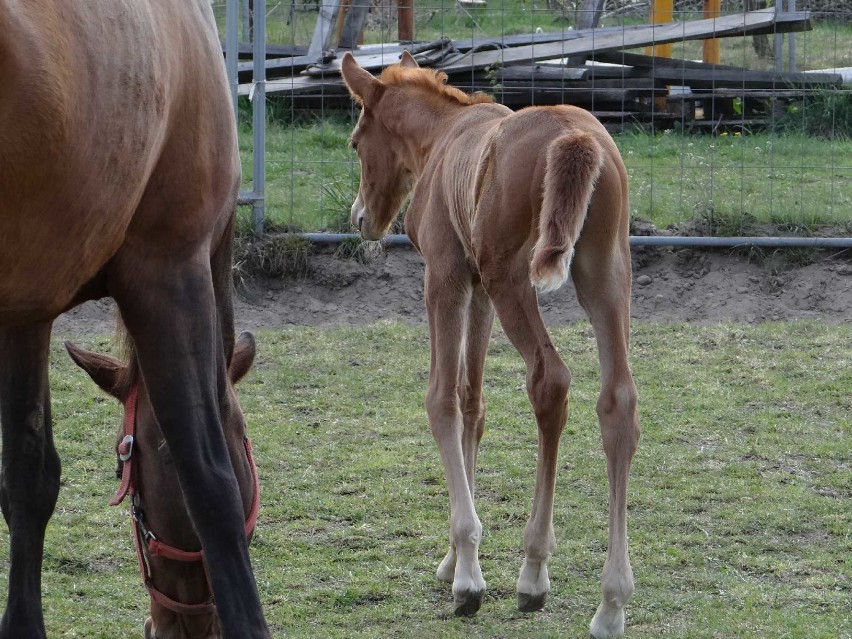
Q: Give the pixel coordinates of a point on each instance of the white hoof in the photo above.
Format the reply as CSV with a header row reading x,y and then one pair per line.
x,y
607,622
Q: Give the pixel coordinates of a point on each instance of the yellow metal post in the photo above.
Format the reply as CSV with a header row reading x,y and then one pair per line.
x,y
712,50
661,11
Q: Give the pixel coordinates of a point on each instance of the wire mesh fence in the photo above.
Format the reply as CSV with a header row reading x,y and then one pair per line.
x,y
721,137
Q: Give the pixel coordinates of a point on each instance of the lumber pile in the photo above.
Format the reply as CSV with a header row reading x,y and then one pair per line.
x,y
619,87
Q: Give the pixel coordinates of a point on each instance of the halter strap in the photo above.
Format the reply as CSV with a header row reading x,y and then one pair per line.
x,y
145,540
124,449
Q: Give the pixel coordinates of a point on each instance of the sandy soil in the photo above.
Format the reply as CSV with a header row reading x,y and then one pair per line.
x,y
669,286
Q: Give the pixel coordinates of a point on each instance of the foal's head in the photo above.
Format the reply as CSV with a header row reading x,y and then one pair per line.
x,y
157,494
393,134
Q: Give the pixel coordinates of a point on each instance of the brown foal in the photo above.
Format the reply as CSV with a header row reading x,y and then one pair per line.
x,y
498,203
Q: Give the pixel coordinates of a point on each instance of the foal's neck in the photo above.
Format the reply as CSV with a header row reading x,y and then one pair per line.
x,y
425,123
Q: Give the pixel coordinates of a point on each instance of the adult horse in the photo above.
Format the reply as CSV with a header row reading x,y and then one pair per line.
x,y
118,176
168,550
498,201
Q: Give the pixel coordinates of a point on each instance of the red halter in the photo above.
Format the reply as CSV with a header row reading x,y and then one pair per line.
x,y
145,539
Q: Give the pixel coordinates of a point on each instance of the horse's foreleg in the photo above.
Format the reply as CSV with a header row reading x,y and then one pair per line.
x,y
479,324
548,381
602,279
30,473
169,310
447,299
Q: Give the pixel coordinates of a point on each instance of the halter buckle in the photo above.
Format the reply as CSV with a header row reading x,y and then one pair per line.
x,y
126,445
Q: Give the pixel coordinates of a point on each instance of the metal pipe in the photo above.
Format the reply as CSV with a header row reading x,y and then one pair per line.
x,y
641,240
791,42
779,40
232,16
247,36
259,117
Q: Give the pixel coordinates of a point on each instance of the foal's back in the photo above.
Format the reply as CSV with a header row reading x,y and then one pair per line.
x,y
490,171
91,113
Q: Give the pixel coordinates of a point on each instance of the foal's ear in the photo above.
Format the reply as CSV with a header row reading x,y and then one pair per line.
x,y
407,60
360,82
104,370
243,357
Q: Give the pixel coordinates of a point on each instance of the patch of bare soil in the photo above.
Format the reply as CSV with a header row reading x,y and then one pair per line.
x,y
670,285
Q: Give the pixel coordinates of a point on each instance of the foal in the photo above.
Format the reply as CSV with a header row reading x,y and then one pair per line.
x,y
169,553
498,201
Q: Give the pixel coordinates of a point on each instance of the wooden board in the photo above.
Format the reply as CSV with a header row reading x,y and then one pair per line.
x,y
751,23
324,28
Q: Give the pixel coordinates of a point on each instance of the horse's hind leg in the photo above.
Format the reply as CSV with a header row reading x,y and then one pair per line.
x,y
479,323
168,306
30,479
548,381
602,277
448,294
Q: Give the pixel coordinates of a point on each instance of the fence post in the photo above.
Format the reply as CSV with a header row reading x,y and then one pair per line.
x,y
259,117
711,48
405,17
232,50
661,11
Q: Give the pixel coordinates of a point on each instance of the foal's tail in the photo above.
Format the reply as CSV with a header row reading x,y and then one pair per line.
x,y
574,162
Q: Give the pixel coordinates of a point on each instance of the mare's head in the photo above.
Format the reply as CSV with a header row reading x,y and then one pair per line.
x,y
394,134
158,495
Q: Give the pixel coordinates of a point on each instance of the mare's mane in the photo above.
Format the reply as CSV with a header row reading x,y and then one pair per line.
x,y
431,80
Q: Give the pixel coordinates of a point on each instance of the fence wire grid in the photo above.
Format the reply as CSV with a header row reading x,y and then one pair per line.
x,y
717,152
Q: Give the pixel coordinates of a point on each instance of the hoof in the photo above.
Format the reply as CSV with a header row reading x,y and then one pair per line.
x,y
467,604
531,603
607,623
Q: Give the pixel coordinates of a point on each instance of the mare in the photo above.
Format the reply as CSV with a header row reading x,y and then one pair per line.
x,y
169,553
498,201
119,175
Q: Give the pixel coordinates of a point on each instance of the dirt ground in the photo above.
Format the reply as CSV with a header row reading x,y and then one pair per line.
x,y
670,285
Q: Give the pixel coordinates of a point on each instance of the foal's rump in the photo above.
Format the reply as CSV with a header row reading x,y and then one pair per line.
x,y
543,169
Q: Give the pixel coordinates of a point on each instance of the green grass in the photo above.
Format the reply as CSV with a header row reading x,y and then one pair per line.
x,y
789,179
739,515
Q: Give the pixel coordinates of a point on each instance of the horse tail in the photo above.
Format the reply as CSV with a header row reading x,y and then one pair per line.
x,y
574,163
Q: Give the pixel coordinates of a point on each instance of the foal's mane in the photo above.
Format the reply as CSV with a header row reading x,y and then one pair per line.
x,y
431,80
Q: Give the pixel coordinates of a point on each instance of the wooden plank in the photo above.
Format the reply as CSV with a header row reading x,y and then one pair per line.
x,y
738,78
324,28
373,62
246,51
541,73
638,60
762,21
353,24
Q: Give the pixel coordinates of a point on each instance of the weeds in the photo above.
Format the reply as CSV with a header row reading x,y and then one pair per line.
x,y
827,114
271,256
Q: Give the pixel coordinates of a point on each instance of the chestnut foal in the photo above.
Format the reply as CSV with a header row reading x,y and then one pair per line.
x,y
498,202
